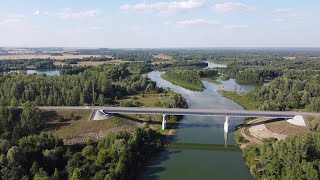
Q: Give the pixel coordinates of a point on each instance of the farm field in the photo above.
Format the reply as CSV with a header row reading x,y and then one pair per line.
x,y
46,56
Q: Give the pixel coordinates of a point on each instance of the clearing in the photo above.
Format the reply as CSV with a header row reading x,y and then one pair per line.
x,y
253,131
46,56
92,63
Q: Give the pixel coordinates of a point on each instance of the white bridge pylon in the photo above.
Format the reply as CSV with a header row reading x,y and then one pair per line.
x,y
226,125
164,121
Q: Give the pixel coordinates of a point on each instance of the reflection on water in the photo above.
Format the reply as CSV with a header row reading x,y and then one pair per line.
x,y
201,164
55,72
214,65
47,72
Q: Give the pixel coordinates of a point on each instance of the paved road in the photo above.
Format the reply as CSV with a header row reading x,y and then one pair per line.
x,y
176,111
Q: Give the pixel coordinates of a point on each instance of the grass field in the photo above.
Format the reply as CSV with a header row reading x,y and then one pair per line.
x,y
92,63
212,80
149,99
79,128
284,127
243,99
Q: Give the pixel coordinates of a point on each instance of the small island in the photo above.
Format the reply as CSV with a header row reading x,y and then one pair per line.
x,y
187,79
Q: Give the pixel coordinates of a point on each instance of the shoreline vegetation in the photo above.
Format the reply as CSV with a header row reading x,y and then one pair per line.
x,y
242,99
265,159
187,79
212,80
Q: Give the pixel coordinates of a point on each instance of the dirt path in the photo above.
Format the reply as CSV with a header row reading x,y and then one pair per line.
x,y
252,140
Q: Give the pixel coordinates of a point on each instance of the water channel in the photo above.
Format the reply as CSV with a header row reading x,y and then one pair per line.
x,y
188,164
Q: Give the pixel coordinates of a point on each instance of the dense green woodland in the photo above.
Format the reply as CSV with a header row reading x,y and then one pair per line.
x,y
108,82
25,153
293,158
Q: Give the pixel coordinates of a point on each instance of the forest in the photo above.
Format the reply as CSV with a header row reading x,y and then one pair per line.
x,y
108,83
26,153
294,158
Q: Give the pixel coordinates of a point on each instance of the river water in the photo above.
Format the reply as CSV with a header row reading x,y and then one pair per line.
x,y
48,72
185,164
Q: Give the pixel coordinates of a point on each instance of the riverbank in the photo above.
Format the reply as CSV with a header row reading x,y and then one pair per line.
x,y
254,136
197,150
244,100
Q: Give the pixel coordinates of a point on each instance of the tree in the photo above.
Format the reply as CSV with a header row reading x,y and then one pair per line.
x,y
15,155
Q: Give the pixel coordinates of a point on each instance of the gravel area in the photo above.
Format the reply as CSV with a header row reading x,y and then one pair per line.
x,y
260,131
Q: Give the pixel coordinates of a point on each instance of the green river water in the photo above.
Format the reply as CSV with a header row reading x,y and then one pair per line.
x,y
198,150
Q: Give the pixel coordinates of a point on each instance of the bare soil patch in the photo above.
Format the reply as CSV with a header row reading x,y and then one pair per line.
x,y
162,56
284,127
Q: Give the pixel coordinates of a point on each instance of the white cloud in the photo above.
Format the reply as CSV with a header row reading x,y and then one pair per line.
x,y
233,7
96,28
288,13
12,19
191,22
18,16
234,26
36,13
164,8
69,14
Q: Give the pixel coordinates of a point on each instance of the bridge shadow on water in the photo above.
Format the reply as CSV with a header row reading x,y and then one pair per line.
x,y
175,148
153,169
204,125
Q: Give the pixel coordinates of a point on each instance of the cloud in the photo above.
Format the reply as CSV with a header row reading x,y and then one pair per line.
x,y
69,14
233,7
288,13
38,13
96,28
18,16
191,22
12,19
164,8
234,26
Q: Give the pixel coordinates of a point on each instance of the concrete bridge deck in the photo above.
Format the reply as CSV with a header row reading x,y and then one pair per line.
x,y
180,111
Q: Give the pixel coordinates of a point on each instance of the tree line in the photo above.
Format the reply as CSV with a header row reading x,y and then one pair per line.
x,y
101,85
25,153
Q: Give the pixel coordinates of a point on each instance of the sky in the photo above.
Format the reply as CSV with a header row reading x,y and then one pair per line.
x,y
159,24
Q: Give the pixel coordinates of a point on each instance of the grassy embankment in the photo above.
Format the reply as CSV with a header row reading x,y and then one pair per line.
x,y
75,124
213,80
244,100
186,79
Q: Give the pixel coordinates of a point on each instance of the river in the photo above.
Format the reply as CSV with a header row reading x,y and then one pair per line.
x,y
188,164
48,72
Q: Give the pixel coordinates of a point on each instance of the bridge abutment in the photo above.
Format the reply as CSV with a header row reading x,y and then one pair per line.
x,y
226,125
164,122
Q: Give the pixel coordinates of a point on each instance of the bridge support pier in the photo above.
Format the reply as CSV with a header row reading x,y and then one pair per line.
x,y
164,122
226,125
